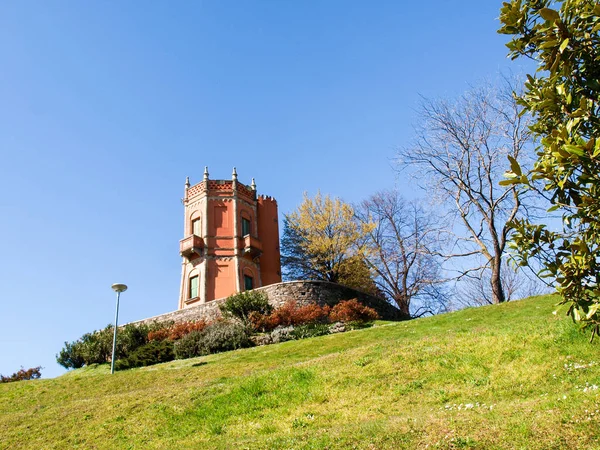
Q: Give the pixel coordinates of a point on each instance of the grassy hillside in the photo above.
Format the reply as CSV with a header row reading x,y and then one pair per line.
x,y
509,376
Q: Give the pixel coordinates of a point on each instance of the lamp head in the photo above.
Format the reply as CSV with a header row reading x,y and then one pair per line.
x,y
118,287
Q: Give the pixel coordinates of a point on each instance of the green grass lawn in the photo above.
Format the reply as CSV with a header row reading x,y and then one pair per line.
x,y
508,376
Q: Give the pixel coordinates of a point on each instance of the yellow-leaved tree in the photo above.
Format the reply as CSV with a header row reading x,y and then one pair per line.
x,y
321,241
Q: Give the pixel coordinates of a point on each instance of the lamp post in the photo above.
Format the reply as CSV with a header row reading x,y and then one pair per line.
x,y
118,288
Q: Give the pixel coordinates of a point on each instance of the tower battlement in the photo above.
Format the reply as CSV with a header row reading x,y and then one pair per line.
x,y
231,240
266,198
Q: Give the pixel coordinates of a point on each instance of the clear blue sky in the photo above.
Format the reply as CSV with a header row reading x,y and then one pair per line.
x,y
106,107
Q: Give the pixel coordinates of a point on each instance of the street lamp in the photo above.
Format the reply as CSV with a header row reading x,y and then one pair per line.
x,y
118,288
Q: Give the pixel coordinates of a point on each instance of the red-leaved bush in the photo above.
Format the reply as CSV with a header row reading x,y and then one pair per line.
x,y
176,331
262,322
161,334
352,311
29,374
293,314
179,330
290,314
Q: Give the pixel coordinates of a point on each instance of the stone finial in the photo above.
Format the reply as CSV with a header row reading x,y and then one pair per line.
x,y
253,185
205,173
234,174
185,190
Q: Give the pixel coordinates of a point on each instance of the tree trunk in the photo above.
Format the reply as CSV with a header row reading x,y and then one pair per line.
x,y
496,281
403,306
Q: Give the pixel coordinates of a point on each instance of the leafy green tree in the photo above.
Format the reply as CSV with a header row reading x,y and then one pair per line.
x,y
355,273
321,242
563,97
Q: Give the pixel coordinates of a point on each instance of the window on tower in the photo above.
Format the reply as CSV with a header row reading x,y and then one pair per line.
x,y
196,227
245,226
248,283
194,287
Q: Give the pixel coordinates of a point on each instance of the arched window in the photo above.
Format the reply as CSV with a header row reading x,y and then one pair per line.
x,y
248,283
194,286
196,224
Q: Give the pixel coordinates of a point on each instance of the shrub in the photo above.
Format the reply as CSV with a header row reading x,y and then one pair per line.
x,y
71,356
352,311
29,374
189,346
241,305
263,322
91,348
159,331
96,347
296,314
181,329
130,338
161,334
310,330
290,314
214,338
174,332
154,352
223,336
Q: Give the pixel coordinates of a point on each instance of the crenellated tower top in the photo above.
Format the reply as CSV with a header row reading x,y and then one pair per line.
x,y
222,188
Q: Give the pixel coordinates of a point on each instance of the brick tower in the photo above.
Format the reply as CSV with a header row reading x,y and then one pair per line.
x,y
231,240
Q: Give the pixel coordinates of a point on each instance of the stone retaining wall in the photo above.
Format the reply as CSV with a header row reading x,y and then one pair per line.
x,y
325,293
304,292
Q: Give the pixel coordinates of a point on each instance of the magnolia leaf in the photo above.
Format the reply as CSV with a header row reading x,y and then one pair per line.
x,y
549,44
563,45
514,166
574,150
592,310
549,14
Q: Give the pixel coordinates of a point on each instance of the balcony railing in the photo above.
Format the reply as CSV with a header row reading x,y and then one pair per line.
x,y
252,246
190,246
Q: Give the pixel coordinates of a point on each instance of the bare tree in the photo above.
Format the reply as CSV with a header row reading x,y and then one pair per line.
x,y
517,283
459,155
398,245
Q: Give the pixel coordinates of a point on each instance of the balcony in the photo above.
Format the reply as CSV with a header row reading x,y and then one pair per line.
x,y
252,246
191,247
